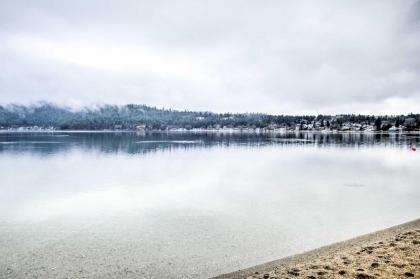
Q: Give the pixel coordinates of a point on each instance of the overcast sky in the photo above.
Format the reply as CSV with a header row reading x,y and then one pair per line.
x,y
271,56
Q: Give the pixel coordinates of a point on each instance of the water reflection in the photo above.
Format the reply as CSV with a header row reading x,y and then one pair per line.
x,y
170,213
138,143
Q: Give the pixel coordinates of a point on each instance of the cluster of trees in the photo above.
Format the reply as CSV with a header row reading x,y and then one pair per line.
x,y
131,117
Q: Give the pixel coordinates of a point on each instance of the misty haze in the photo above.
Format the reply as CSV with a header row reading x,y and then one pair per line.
x,y
210,139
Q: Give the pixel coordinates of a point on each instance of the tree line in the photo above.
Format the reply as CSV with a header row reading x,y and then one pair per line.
x,y
134,117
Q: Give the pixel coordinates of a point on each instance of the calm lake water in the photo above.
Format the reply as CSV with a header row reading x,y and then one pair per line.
x,y
185,205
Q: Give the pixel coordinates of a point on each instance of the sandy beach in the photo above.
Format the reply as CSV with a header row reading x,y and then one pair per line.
x,y
389,253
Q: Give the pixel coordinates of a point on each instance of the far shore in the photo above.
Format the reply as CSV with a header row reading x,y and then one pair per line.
x,y
389,253
224,131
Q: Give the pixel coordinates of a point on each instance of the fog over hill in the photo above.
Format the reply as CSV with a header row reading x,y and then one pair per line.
x,y
142,117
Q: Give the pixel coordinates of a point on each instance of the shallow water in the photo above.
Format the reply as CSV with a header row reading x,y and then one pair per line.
x,y
193,205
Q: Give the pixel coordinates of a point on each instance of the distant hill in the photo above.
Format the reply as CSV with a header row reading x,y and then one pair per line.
x,y
142,117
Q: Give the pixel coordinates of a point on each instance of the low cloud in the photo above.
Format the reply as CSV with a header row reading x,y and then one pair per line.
x,y
276,57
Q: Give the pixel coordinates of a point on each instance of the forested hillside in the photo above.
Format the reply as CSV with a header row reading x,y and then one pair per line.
x,y
135,117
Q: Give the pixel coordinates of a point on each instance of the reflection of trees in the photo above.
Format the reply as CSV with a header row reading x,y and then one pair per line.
x,y
141,143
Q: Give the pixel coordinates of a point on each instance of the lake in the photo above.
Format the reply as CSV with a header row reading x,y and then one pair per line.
x,y
193,205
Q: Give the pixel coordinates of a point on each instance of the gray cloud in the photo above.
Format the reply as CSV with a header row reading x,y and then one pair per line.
x,y
271,56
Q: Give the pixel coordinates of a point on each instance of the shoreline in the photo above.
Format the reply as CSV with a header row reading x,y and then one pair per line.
x,y
26,130
390,253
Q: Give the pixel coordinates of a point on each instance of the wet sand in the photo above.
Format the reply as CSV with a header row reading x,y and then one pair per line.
x,y
389,253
